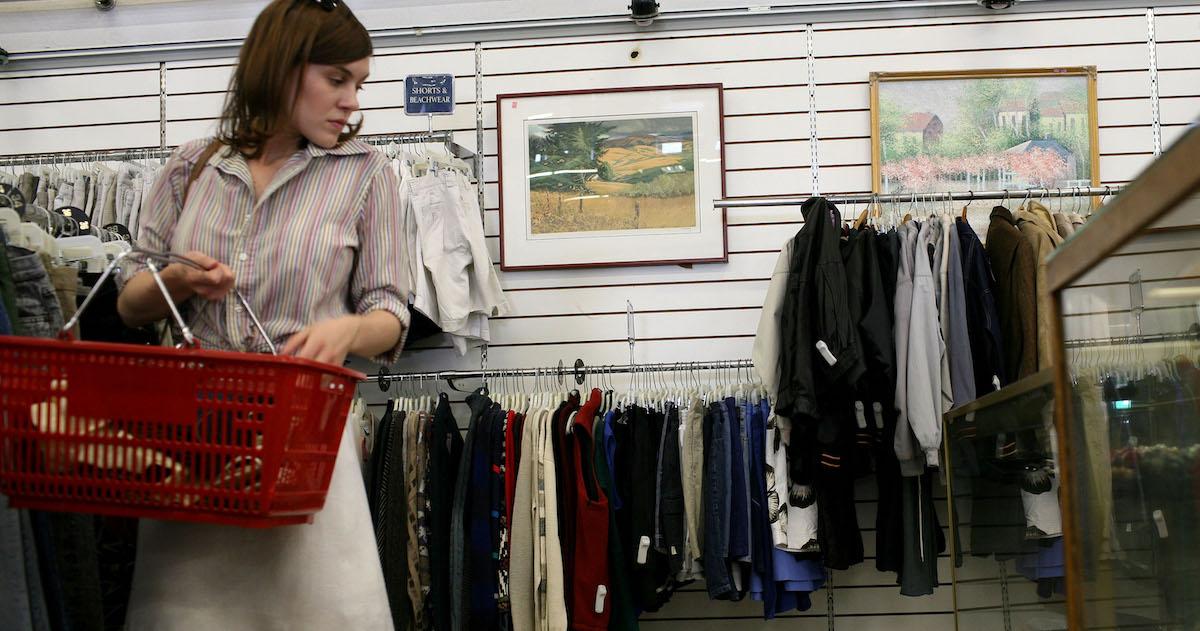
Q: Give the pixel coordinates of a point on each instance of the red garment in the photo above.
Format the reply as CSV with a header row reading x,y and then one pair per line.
x,y
590,579
511,457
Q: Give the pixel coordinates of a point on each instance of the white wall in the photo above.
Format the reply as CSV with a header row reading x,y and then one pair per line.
x,y
710,311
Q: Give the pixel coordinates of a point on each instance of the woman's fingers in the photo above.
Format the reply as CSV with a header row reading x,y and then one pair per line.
x,y
214,283
296,342
201,259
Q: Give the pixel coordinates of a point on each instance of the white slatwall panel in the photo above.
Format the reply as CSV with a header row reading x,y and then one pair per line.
x,y
196,91
1178,32
80,110
709,311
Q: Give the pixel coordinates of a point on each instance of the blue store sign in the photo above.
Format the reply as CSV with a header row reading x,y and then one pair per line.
x,y
429,94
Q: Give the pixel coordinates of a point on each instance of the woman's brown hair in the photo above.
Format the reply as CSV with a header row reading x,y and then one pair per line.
x,y
287,36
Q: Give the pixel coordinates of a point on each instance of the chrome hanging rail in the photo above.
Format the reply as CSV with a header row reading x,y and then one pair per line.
x,y
150,153
890,198
579,371
1190,335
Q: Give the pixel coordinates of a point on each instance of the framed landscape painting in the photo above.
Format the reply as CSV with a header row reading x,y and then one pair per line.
x,y
984,130
611,177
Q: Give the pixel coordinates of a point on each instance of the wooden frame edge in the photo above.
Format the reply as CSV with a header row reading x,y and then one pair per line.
x,y
1093,108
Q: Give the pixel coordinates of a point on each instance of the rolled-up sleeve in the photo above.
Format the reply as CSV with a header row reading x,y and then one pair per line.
x,y
378,280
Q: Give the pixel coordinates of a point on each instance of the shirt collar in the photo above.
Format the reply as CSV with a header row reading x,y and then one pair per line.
x,y
351,147
1000,212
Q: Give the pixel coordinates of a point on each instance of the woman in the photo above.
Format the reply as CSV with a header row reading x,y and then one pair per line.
x,y
300,217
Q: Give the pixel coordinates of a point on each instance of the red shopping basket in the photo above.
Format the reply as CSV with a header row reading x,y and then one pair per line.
x,y
163,433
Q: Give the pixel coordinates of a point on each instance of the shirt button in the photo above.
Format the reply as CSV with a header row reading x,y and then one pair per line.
x,y
243,257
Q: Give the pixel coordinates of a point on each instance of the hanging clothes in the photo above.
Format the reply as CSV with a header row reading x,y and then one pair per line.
x,y
445,451
591,577
919,393
1014,262
982,316
454,283
1037,229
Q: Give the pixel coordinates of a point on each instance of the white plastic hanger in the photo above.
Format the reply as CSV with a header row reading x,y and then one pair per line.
x,y
87,250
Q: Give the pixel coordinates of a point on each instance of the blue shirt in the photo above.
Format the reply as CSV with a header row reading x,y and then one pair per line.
x,y
610,454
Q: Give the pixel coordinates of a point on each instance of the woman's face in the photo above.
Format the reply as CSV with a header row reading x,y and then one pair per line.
x,y
328,97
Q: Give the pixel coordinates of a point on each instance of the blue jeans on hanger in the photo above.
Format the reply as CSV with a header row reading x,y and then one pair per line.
x,y
38,311
716,504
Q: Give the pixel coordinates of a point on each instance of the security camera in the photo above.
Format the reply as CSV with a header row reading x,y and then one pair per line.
x,y
997,5
643,12
106,5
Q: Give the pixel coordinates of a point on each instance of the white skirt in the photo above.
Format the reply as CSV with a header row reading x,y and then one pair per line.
x,y
320,576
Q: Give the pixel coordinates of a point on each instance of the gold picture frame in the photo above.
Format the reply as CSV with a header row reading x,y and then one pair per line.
x,y
1024,146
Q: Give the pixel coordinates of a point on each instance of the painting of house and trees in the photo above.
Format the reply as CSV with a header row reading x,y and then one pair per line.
x,y
992,131
612,174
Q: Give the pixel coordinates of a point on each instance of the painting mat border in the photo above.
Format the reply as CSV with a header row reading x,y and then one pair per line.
x,y
502,98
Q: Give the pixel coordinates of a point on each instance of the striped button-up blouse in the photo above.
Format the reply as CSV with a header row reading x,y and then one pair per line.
x,y
322,242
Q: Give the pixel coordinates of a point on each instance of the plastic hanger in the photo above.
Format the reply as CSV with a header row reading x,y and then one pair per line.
x,y
87,250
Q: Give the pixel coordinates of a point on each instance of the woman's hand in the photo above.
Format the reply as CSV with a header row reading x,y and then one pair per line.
x,y
328,342
141,302
211,283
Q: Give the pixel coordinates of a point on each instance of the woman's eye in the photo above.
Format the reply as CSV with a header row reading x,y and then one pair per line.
x,y
337,80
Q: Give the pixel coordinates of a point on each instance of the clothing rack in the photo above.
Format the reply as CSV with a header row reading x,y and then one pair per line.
x,y
151,153
1190,335
579,371
890,198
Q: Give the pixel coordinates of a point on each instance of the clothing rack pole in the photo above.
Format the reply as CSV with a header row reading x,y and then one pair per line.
x,y
1192,334
560,370
150,153
113,155
888,198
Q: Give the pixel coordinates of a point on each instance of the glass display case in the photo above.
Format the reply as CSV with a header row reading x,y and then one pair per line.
x,y
1126,292
1009,570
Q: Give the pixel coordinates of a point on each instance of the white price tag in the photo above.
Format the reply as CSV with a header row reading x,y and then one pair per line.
x,y
1160,521
643,549
823,349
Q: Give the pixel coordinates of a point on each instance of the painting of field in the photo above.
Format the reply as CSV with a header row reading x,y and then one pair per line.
x,y
612,175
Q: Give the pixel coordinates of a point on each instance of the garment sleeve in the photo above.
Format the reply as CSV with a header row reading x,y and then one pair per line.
x,y
1025,289
377,283
902,443
924,364
160,210
767,338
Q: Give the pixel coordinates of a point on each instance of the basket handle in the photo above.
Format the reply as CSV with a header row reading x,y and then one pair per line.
x,y
153,259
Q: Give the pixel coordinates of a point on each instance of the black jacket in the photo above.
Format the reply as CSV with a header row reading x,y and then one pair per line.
x,y
870,311
816,310
983,319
